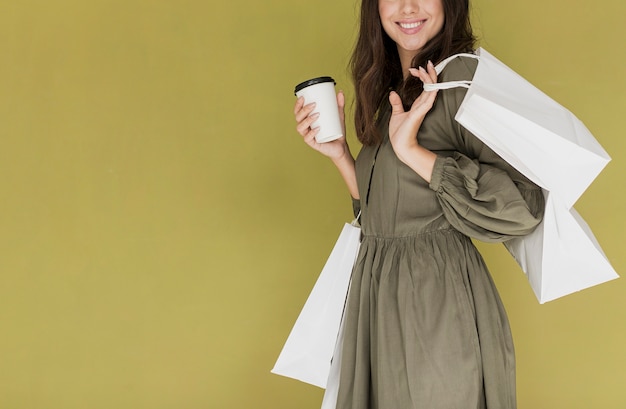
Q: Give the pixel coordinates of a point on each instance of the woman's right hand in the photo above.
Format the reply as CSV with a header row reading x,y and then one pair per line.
x,y
334,149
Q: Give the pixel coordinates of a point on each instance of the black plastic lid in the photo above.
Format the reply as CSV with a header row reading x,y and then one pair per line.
x,y
313,81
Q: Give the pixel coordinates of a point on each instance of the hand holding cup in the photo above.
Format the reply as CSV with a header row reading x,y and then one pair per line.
x,y
319,113
321,92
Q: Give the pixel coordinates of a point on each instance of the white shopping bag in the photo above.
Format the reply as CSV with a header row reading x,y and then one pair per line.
x,y
562,255
332,385
528,129
551,147
309,349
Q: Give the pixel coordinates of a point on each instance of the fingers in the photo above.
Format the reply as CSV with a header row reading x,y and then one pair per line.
x,y
428,75
396,103
309,136
304,126
298,106
341,103
432,72
423,75
305,119
302,111
341,100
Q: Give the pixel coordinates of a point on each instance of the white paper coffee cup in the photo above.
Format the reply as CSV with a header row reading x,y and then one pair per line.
x,y
321,90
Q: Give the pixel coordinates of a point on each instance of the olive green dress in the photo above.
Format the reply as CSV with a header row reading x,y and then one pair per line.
x,y
424,325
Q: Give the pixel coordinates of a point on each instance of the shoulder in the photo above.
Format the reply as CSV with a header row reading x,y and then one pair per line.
x,y
459,68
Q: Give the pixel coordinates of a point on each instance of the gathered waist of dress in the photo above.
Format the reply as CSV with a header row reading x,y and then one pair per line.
x,y
413,235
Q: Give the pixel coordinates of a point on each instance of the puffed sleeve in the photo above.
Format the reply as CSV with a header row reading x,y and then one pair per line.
x,y
482,195
483,201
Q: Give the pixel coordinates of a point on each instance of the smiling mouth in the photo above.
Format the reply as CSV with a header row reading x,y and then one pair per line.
x,y
411,25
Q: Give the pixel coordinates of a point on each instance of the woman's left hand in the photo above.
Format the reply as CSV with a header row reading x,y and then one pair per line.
x,y
403,126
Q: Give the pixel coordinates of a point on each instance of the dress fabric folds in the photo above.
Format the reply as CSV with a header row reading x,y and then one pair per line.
x,y
424,324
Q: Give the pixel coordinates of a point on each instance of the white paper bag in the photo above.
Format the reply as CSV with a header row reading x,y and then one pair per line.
x,y
562,255
308,352
551,147
332,385
528,129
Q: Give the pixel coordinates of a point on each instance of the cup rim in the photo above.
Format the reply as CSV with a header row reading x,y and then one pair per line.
x,y
313,81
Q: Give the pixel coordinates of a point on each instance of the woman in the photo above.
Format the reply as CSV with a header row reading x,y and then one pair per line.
x,y
424,325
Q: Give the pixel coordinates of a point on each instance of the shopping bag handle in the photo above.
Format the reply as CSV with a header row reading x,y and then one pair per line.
x,y
450,84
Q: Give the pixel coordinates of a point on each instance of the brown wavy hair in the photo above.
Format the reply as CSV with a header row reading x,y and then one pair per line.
x,y
375,63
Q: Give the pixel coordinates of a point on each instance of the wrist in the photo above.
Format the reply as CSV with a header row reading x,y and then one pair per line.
x,y
343,157
408,152
420,159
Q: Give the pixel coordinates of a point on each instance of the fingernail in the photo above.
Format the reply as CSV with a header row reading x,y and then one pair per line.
x,y
430,63
422,69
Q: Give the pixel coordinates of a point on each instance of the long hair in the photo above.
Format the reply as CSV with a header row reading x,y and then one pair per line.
x,y
375,63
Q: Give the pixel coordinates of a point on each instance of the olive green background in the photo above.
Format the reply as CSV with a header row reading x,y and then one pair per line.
x,y
162,223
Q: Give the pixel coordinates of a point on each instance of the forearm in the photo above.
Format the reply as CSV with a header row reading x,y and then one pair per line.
x,y
346,166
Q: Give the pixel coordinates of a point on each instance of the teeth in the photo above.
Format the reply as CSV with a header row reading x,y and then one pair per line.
x,y
411,25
